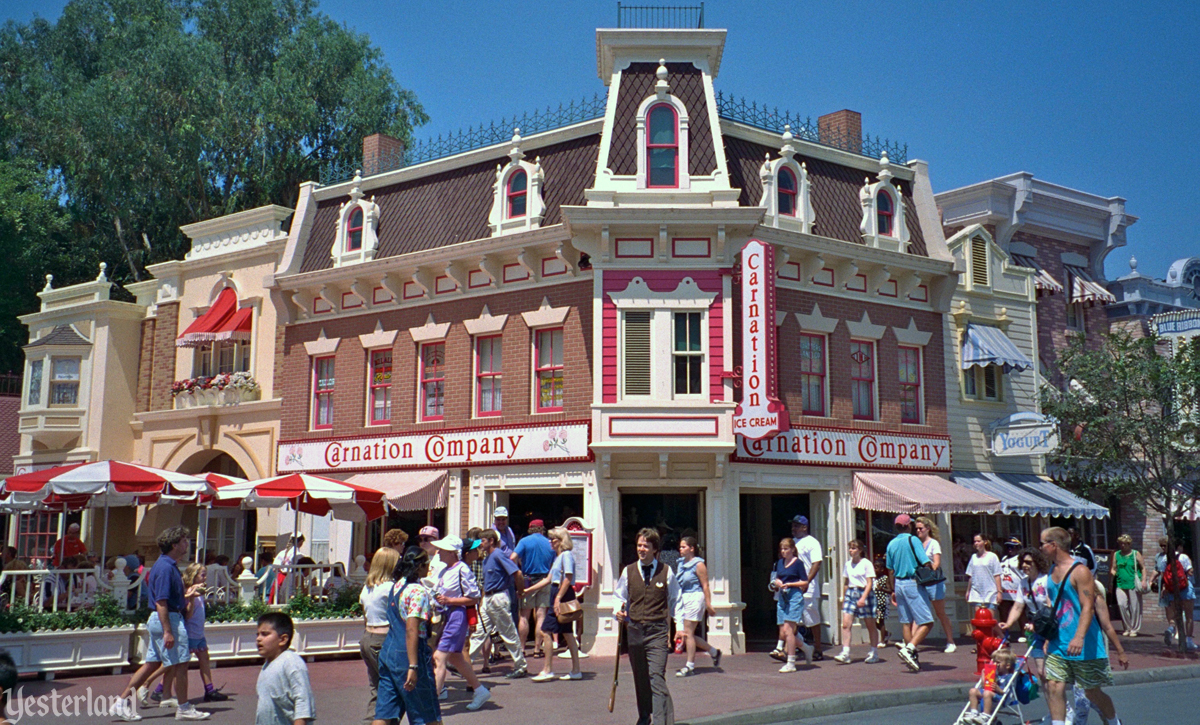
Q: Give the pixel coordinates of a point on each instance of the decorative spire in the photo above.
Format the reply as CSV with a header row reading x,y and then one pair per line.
x,y
515,153
885,167
662,88
1132,264
49,283
788,150
356,190
100,277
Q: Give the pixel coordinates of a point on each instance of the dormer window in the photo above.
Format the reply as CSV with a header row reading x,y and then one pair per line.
x,y
787,193
354,230
662,147
518,187
885,211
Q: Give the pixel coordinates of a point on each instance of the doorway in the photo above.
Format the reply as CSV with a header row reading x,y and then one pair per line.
x,y
764,519
553,508
672,515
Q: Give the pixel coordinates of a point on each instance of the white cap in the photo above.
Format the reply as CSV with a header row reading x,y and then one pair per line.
x,y
501,511
450,543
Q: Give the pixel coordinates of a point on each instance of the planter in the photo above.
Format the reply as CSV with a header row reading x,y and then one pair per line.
x,y
82,649
201,398
233,641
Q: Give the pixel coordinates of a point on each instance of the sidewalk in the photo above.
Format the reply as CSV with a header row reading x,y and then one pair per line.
x,y
744,683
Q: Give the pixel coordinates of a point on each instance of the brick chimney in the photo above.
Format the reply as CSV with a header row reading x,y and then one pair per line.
x,y
381,152
841,129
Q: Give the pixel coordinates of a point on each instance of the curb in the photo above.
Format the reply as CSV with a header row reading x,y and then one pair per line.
x,y
881,699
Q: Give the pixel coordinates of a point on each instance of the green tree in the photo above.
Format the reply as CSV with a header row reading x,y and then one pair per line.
x,y
140,116
1129,423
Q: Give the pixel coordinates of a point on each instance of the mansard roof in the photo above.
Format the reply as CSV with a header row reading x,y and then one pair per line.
x,y
60,335
637,84
835,188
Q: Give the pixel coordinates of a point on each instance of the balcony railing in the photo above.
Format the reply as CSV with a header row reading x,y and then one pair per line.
x,y
660,16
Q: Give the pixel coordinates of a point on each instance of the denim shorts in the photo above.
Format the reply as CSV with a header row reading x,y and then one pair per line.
x,y
937,592
176,655
913,602
198,645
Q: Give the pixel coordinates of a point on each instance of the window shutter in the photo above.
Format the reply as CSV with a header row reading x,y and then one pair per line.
x,y
979,261
637,353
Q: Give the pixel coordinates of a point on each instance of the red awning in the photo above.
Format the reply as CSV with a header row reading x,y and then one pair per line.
x,y
913,493
237,327
204,329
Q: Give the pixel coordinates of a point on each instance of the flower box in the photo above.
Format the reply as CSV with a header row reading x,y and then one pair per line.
x,y
229,396
48,652
231,641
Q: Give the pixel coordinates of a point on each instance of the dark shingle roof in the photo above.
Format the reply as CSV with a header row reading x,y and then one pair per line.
x,y
60,335
453,206
835,188
637,84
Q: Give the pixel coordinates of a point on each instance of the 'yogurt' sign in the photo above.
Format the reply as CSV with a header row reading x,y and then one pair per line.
x,y
1024,434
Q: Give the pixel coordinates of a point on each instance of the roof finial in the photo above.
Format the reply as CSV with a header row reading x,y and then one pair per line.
x,y
885,167
1132,263
661,88
788,150
515,153
101,277
49,283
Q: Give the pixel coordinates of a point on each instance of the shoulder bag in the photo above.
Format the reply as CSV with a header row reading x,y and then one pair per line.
x,y
925,575
1045,619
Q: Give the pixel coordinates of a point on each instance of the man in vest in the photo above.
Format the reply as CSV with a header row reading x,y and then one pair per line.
x,y
646,595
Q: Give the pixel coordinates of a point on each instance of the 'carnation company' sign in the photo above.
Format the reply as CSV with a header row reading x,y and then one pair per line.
x,y
760,413
821,447
460,448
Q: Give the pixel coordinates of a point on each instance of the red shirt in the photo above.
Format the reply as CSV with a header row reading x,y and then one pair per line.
x,y
67,547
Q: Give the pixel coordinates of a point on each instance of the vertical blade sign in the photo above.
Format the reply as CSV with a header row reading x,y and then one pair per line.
x,y
760,414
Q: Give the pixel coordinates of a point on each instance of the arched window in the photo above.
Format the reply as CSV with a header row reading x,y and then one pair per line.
x,y
518,186
662,147
787,192
885,212
354,231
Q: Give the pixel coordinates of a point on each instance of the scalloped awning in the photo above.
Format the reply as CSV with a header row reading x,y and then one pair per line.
x,y
205,327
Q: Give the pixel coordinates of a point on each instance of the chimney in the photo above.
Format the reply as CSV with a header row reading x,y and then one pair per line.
x,y
380,153
841,129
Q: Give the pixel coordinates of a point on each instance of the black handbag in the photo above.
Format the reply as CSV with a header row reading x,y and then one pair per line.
x,y
1045,619
926,575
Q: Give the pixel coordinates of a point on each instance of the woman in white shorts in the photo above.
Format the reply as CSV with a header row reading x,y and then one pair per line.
x,y
695,601
927,532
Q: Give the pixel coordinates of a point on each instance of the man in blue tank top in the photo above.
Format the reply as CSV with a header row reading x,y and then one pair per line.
x,y
1077,655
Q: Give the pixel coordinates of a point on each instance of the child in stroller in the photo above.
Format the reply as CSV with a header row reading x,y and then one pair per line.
x,y
995,682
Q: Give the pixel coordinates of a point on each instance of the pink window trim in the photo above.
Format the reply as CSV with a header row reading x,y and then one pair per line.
x,y
804,375
319,392
538,368
870,380
915,387
512,196
788,192
422,381
885,214
372,386
481,375
354,224
674,145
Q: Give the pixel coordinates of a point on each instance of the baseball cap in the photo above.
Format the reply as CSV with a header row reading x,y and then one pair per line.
x,y
429,531
500,511
537,522
450,543
903,520
798,519
471,545
1012,541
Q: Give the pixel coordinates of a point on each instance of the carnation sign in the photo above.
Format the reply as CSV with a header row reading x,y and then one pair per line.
x,y
826,447
760,413
458,448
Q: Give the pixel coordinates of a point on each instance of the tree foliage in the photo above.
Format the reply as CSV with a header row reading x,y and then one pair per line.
x,y
1129,420
137,116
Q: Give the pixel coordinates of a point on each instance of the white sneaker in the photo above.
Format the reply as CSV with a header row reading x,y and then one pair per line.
x,y
444,694
168,702
788,667
950,648
572,676
482,695
543,677
872,659
844,658
143,696
124,710
1169,636
191,713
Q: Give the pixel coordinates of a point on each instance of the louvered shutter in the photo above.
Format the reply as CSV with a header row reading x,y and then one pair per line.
x,y
637,353
979,262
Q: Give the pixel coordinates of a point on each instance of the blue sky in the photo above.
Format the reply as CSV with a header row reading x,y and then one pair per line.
x,y
1101,96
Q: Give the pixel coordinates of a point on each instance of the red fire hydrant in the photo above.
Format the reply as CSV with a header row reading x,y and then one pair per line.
x,y
986,641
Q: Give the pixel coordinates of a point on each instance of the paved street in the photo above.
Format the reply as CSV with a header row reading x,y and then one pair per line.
x,y
1147,704
743,683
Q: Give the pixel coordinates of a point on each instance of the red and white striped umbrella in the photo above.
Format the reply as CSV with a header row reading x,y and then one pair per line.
x,y
218,481
315,495
103,483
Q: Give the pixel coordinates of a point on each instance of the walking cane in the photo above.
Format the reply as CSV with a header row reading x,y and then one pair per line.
x,y
612,694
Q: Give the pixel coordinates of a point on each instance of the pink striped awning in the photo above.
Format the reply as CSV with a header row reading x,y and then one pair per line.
x,y
913,493
1086,289
408,490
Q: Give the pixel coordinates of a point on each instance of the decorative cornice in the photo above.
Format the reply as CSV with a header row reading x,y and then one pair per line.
x,y
322,345
546,316
911,335
864,330
430,331
486,323
639,295
379,338
816,322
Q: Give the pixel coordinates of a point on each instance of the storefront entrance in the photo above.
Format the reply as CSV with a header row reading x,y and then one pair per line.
x,y
764,520
552,508
672,515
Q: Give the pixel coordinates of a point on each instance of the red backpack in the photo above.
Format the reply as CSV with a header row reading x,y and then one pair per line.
x,y
1174,579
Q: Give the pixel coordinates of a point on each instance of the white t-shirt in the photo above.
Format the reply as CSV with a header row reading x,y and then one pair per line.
x,y
808,550
1012,579
983,571
857,574
374,603
932,546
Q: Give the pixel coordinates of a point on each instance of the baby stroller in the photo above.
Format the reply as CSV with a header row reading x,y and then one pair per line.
x,y
1021,689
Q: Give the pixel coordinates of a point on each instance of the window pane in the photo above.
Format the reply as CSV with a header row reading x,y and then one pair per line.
x,y
662,125
516,206
433,399
694,331
662,167
381,367
680,332
969,385
883,202
787,204
66,368
550,389
64,393
787,181
694,375
35,383
989,382
517,182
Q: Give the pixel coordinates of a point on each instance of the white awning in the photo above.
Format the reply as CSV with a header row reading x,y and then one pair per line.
x,y
1027,494
408,490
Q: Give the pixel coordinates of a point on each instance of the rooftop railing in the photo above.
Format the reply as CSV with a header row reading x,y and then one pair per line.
x,y
660,16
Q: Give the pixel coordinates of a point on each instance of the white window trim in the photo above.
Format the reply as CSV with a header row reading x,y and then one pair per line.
x,y
535,206
979,397
826,401
663,96
802,220
670,348
662,356
370,239
897,241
